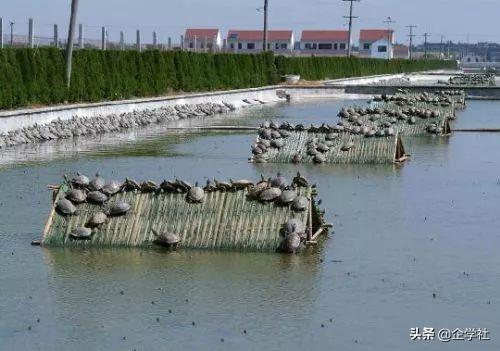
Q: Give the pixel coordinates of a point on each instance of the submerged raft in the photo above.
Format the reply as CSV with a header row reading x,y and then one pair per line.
x,y
224,220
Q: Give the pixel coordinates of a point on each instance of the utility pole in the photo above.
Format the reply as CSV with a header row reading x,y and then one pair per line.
x,y
71,35
1,33
442,47
266,11
425,44
12,34
350,17
411,27
389,21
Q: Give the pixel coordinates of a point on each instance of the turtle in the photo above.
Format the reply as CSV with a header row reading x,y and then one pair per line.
x,y
223,186
277,143
120,208
258,188
195,194
81,233
166,239
97,183
300,203
97,219
300,180
291,243
211,186
390,131
183,185
112,188
76,196
380,133
347,146
256,150
131,185
319,158
297,158
66,207
294,225
287,196
279,181
322,147
80,181
270,194
97,197
260,158
149,186
240,183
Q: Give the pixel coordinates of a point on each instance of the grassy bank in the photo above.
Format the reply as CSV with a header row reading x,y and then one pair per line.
x,y
36,76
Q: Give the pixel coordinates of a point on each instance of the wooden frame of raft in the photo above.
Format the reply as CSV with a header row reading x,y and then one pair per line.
x,y
225,220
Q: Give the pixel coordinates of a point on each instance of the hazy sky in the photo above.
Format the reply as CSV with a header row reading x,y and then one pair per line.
x,y
458,20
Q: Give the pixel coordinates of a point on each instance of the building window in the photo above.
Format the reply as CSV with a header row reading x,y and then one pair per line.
x,y
231,45
308,46
240,46
366,46
276,46
382,48
202,46
325,46
250,46
284,46
342,46
191,45
335,46
268,46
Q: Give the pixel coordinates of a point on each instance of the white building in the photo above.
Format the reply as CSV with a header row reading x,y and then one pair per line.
x,y
196,39
252,41
376,43
324,42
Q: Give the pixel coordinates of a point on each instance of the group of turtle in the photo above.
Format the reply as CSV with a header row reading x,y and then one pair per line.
x,y
476,79
406,97
96,191
88,126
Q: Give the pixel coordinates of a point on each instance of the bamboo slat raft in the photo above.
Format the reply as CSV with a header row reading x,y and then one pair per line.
x,y
374,150
225,220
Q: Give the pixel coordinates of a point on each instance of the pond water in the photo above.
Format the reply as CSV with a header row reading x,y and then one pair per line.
x,y
402,234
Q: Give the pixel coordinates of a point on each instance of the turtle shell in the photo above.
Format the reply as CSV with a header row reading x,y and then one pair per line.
x,y
131,185
81,233
241,183
258,188
301,203
97,219
112,188
294,225
291,243
195,195
80,181
76,196
300,181
149,186
65,207
97,197
287,196
279,181
97,183
297,158
120,208
319,158
270,194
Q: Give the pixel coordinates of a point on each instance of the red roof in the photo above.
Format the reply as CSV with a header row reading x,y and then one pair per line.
x,y
256,35
325,35
374,34
201,33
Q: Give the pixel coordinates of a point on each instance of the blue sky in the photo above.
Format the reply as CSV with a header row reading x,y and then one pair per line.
x,y
458,20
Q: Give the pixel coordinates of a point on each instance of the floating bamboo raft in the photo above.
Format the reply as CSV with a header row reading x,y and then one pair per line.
x,y
225,220
375,150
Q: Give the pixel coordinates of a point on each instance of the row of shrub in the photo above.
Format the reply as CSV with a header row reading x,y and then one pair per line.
x,y
30,77
320,68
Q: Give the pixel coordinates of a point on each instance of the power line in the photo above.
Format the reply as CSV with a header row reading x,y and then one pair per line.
x,y
350,24
411,27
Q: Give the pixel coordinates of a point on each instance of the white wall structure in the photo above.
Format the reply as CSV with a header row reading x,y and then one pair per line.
x,y
251,41
201,39
382,49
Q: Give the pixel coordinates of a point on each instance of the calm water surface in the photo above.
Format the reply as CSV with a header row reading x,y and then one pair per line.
x,y
401,234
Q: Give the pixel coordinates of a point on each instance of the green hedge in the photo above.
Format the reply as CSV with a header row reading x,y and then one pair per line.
x,y
31,77
320,68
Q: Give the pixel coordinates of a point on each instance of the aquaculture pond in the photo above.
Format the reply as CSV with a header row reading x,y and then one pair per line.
x,y
414,245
